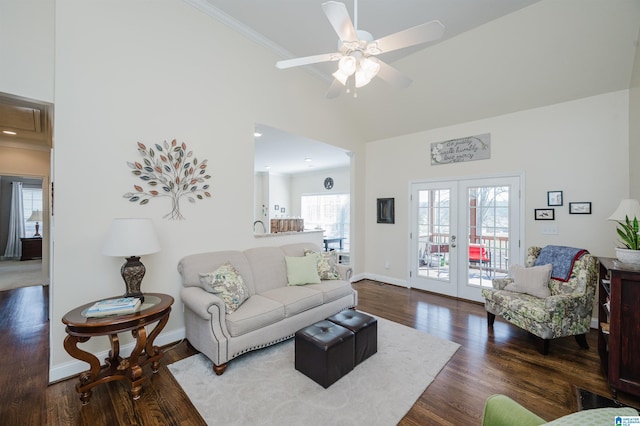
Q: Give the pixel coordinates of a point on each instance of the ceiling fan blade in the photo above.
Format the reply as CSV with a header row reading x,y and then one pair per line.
x,y
338,16
422,33
391,75
307,60
334,89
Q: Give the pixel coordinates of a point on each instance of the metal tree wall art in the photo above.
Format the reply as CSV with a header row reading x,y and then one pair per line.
x,y
171,171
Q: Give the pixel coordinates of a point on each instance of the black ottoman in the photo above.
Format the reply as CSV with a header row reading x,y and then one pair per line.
x,y
364,327
324,352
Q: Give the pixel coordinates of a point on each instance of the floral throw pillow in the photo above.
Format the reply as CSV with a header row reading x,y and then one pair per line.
x,y
326,264
228,284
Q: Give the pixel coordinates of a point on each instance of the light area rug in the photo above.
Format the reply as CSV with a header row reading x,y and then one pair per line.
x,y
264,388
15,273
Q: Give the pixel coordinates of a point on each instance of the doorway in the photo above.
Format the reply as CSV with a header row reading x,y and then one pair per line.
x,y
463,233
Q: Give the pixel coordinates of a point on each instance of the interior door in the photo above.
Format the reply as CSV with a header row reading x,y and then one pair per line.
x,y
463,234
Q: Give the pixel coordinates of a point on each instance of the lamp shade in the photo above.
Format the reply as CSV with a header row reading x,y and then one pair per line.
x,y
36,216
628,208
131,237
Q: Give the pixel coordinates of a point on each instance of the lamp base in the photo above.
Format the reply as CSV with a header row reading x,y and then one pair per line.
x,y
132,273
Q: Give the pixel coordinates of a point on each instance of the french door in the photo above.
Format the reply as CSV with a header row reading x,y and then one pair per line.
x,y
463,233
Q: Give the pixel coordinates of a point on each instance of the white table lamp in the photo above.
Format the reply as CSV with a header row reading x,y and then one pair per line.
x,y
131,238
36,216
628,208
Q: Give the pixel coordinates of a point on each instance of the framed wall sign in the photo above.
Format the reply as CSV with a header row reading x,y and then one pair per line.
x,y
583,207
544,214
554,198
386,213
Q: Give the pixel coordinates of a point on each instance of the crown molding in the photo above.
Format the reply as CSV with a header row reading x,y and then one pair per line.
x,y
226,19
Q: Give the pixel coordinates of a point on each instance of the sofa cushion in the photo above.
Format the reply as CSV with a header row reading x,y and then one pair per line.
x,y
295,299
533,280
302,270
326,262
255,313
228,284
268,267
332,289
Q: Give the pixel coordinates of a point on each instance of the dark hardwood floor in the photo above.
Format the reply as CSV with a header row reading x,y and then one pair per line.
x,y
504,360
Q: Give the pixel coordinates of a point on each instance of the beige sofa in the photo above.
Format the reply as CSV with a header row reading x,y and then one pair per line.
x,y
274,310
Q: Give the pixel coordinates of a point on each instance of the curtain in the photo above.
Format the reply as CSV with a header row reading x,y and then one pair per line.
x,y
16,223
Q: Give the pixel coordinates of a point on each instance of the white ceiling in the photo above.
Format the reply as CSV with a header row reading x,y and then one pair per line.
x,y
496,57
295,28
277,151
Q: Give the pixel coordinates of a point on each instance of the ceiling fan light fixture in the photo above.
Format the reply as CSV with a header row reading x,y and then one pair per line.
x,y
341,76
369,67
361,79
347,65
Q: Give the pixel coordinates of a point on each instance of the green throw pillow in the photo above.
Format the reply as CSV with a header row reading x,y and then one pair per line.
x,y
228,284
326,264
302,270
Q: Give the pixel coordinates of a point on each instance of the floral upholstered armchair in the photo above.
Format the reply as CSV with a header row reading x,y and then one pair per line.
x,y
551,308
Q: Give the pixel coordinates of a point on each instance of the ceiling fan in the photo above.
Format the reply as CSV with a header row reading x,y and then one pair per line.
x,y
357,51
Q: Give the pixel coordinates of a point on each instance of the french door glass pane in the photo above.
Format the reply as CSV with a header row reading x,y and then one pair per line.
x,y
434,228
488,231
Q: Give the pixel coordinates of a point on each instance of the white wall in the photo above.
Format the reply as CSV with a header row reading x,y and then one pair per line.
x,y
279,195
579,147
26,48
312,183
168,71
634,130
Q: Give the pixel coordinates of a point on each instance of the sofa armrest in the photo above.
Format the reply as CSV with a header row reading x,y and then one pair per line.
x,y
501,283
500,410
345,271
201,302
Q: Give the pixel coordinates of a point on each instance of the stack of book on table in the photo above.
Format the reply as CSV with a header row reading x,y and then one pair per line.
x,y
120,306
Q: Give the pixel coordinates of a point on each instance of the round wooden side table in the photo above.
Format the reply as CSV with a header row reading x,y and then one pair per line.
x,y
155,308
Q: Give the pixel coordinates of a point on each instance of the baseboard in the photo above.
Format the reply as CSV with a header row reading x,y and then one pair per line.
x,y
69,369
381,278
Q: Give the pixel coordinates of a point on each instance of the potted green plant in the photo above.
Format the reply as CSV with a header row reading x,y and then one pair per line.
x,y
628,233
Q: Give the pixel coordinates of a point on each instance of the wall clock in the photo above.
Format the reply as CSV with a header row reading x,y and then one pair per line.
x,y
328,183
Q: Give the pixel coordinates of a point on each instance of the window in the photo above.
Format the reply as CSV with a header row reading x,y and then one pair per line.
x,y
31,200
328,212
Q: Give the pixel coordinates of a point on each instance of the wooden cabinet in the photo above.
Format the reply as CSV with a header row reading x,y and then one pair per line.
x,y
31,248
619,312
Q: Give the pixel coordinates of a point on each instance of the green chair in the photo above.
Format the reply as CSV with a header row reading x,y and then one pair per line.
x,y
500,410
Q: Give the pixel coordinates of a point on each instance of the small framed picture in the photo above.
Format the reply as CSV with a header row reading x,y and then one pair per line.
x,y
282,209
554,198
545,214
386,210
583,207
276,207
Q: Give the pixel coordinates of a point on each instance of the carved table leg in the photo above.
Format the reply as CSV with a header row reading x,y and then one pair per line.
x,y
88,378
154,353
114,358
135,370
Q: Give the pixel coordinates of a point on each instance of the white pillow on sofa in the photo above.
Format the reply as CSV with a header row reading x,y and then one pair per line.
x,y
302,270
533,280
